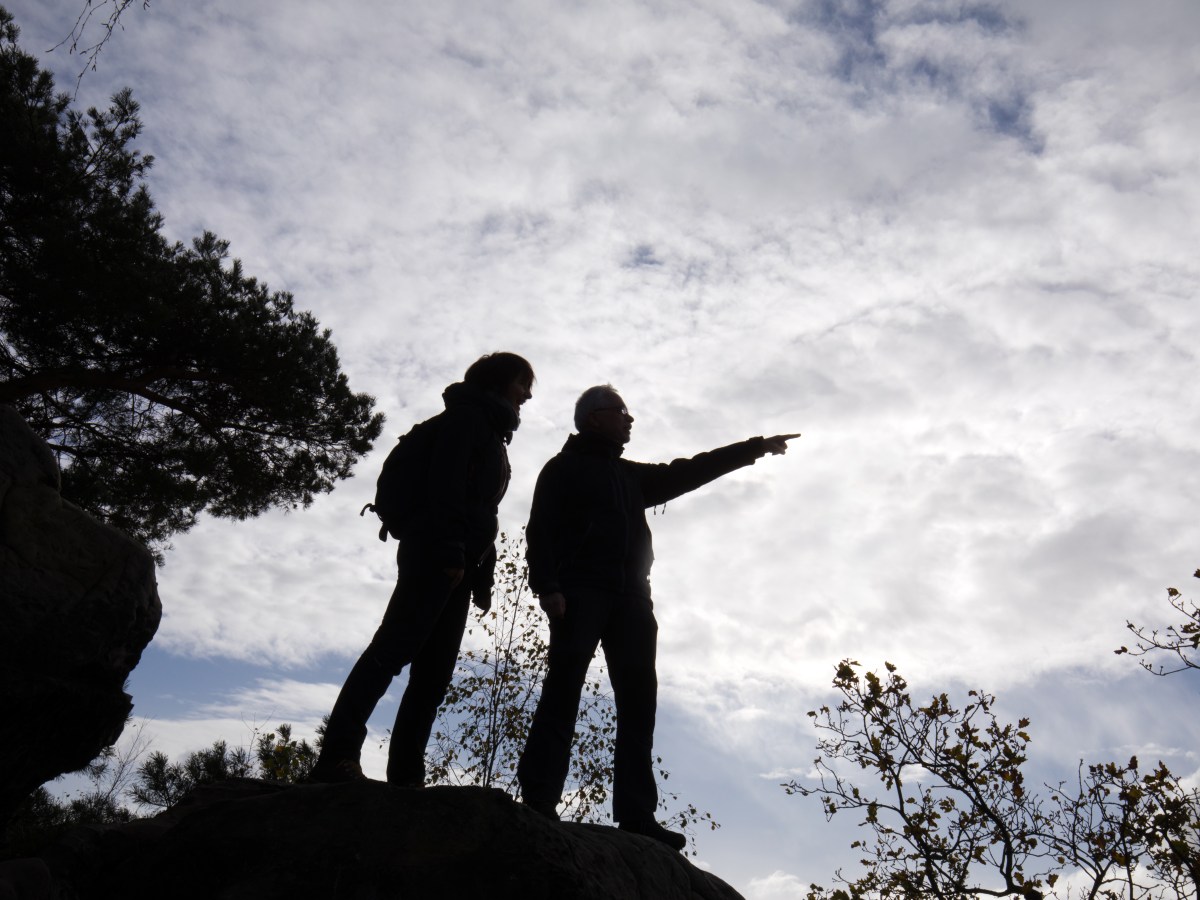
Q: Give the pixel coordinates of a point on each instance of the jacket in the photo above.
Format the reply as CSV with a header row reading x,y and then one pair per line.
x,y
467,478
588,524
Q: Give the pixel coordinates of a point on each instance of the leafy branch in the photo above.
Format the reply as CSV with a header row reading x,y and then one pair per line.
x,y
92,8
1181,641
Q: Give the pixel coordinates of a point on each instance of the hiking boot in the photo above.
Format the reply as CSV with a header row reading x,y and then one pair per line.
x,y
547,808
344,770
651,829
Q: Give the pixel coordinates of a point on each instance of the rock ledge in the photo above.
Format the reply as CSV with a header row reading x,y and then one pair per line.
x,y
368,841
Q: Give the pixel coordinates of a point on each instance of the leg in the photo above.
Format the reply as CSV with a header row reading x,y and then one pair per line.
x,y
428,677
630,646
546,761
347,726
413,609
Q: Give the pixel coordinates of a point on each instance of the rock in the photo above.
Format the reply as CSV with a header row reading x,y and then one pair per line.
x,y
368,841
24,879
78,605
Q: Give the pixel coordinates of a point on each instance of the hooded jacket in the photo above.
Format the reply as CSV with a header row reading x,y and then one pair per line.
x,y
588,524
467,478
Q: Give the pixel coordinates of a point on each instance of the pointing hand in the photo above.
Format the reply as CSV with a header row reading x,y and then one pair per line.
x,y
778,443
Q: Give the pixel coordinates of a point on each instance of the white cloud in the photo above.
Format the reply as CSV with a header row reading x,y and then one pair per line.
x,y
271,699
777,886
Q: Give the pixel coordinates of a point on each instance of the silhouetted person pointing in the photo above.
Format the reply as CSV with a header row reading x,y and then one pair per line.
x,y
589,552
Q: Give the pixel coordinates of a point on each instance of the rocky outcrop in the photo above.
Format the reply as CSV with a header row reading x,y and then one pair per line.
x,y
368,841
78,605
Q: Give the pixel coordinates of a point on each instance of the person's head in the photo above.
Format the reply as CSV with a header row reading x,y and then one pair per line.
x,y
600,410
505,374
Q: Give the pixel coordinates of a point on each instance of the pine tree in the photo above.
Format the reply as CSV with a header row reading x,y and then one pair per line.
x,y
167,380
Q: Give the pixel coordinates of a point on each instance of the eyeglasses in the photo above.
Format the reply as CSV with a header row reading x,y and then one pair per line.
x,y
622,410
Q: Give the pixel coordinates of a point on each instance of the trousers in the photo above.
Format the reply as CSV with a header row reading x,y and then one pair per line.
x,y
625,627
422,628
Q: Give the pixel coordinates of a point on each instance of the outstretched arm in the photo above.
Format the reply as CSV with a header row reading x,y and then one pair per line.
x,y
666,481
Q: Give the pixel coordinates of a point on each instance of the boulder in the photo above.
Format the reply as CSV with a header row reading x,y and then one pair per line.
x,y
368,841
78,605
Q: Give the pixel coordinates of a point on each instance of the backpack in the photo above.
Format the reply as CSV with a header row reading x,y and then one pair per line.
x,y
400,490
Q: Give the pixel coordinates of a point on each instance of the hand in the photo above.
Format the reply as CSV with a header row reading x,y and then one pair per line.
x,y
482,598
778,443
455,576
554,605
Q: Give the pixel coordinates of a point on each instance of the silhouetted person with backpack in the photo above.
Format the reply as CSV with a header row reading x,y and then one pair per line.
x,y
589,553
438,495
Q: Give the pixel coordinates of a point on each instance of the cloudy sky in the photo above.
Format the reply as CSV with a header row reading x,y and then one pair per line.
x,y
953,243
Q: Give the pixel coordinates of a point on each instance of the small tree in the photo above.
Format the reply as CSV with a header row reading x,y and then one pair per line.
x,y
161,784
485,718
42,816
1181,641
113,772
955,818
282,758
277,757
156,783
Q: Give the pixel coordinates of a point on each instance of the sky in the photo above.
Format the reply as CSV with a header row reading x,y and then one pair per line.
x,y
951,243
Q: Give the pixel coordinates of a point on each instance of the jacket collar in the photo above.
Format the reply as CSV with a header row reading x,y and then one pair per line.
x,y
503,417
589,443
